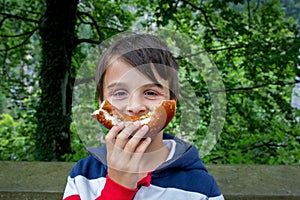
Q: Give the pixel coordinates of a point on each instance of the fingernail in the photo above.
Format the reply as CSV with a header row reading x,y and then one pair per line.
x,y
148,139
121,125
145,128
137,123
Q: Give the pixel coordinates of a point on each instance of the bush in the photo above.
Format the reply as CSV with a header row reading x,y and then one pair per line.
x,y
16,139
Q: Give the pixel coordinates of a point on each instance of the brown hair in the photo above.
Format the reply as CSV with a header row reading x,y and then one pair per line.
x,y
142,51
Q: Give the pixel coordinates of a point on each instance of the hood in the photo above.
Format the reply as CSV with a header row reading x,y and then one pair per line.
x,y
186,156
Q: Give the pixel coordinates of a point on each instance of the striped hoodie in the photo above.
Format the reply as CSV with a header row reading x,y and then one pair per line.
x,y
183,177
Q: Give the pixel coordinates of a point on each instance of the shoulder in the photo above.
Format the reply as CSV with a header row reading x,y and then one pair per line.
x,y
88,167
193,180
187,171
202,181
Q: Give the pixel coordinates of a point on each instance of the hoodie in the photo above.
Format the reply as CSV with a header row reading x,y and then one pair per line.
x,y
182,177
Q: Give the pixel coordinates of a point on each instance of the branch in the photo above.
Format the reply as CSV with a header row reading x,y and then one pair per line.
x,y
205,17
84,80
216,49
257,6
249,15
19,35
2,21
280,83
94,22
210,50
85,40
7,15
269,144
22,43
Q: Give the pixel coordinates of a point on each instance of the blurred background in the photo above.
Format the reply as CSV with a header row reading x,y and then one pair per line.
x,y
255,44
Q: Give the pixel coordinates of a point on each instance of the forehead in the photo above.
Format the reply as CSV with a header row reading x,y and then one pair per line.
x,y
120,71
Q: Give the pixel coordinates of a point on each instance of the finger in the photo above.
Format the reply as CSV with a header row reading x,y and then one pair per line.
x,y
139,152
123,137
112,134
133,143
142,132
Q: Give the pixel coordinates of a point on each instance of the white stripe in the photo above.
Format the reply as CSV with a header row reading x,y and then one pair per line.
x,y
86,188
70,188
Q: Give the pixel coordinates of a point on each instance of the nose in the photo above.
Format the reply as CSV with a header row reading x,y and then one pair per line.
x,y
136,106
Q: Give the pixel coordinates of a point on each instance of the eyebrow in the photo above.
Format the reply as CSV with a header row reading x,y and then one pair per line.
x,y
120,84
153,85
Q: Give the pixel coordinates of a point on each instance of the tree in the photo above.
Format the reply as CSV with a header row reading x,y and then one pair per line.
x,y
59,24
57,75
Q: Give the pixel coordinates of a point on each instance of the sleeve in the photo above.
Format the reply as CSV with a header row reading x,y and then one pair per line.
x,y
110,191
70,192
81,185
119,192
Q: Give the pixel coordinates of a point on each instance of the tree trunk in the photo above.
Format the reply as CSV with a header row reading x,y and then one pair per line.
x,y
57,33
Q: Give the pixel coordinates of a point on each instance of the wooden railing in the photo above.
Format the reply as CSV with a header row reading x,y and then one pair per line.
x,y
46,180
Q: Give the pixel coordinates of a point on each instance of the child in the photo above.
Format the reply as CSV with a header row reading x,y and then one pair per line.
x,y
135,74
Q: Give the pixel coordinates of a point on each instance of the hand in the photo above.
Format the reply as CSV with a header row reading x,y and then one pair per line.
x,y
125,149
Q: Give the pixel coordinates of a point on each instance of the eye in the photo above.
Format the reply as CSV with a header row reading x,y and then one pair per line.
x,y
151,94
120,94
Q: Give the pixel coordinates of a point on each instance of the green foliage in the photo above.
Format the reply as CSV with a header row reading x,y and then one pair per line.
x,y
259,76
16,139
17,126
256,49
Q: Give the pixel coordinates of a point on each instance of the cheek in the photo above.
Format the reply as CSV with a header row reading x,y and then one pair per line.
x,y
121,105
152,104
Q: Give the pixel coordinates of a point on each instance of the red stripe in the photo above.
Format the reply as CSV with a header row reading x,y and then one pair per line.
x,y
73,197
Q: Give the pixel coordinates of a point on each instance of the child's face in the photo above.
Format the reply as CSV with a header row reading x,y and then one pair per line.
x,y
131,91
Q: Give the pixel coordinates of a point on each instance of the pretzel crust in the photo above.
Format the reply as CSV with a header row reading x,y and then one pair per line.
x,y
157,119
